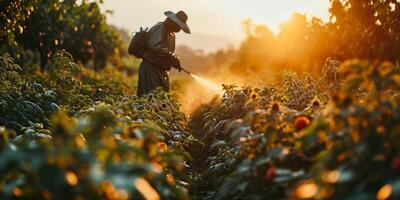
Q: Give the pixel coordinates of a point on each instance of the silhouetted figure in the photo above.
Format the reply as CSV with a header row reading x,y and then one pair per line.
x,y
159,58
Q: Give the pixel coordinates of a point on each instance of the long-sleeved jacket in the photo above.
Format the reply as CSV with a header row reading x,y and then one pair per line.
x,y
156,60
160,46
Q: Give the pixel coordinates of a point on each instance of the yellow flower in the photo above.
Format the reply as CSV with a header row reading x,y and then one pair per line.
x,y
385,68
163,146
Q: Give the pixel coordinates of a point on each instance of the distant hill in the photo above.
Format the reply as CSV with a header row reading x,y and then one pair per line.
x,y
206,42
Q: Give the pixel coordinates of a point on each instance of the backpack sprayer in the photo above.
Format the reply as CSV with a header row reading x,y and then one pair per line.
x,y
138,46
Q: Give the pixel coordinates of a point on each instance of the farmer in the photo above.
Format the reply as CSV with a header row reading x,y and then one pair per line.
x,y
159,58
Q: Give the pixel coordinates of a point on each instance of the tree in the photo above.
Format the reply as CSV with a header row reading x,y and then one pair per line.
x,y
366,29
254,53
46,26
301,44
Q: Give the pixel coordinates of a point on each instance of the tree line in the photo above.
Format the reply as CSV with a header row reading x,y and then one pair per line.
x,y
361,29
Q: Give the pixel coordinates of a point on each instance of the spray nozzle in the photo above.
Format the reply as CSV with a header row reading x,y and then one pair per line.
x,y
186,71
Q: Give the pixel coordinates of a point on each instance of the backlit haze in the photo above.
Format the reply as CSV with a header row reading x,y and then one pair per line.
x,y
214,23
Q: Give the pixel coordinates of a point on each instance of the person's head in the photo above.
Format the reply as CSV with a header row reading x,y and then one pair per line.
x,y
176,22
172,26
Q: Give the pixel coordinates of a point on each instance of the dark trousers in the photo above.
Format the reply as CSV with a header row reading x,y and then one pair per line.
x,y
151,77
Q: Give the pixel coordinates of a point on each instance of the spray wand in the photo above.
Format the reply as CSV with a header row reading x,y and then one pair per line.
x,y
186,71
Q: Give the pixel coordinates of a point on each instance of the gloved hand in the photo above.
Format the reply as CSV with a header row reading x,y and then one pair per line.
x,y
176,63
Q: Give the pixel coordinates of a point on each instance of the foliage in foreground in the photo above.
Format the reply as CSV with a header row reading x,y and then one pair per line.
x,y
71,133
98,142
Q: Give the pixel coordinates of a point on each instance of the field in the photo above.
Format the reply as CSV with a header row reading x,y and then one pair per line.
x,y
72,126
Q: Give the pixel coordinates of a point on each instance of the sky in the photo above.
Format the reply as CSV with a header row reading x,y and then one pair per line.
x,y
213,17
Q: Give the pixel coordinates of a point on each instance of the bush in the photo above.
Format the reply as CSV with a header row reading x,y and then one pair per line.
x,y
344,149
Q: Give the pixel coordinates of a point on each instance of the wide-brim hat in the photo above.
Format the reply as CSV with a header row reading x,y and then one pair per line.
x,y
179,18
